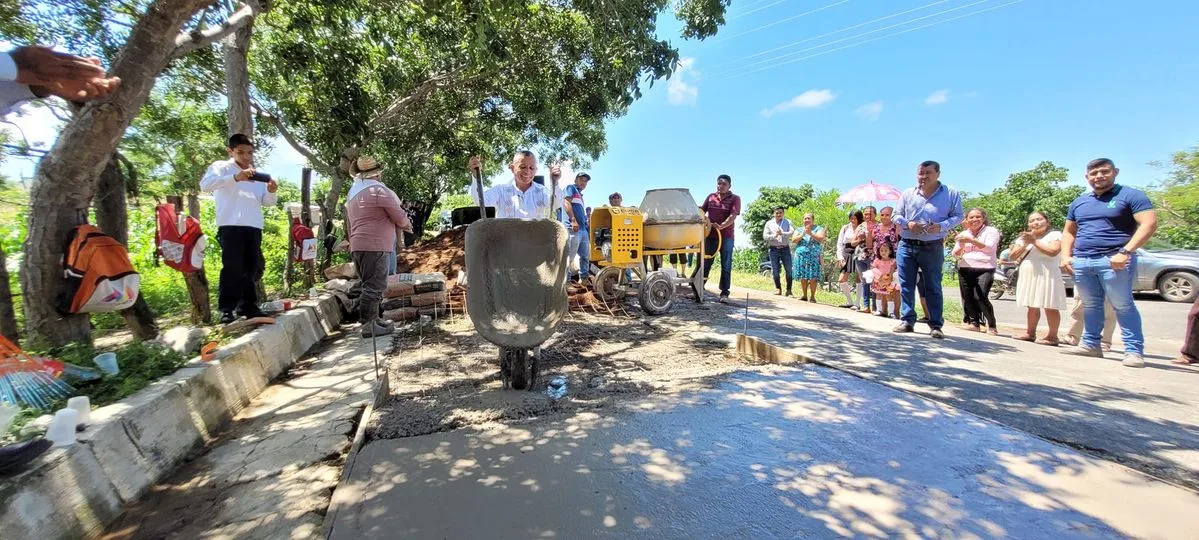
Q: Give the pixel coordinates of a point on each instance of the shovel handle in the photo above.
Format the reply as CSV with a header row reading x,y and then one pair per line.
x,y
478,178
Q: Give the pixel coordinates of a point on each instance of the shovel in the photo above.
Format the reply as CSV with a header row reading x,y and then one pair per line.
x,y
517,295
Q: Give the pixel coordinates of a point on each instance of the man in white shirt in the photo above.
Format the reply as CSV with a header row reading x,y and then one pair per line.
x,y
777,233
239,201
521,198
37,72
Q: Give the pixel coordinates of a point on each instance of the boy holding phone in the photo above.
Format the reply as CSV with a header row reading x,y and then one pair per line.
x,y
240,193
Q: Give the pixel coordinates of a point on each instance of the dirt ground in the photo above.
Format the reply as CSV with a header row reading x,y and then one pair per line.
x,y
444,376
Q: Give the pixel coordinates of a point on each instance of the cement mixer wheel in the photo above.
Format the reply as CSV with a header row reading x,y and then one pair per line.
x,y
605,283
656,294
518,369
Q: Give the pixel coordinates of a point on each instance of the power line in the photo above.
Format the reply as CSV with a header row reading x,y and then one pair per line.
x,y
852,45
788,19
755,10
855,36
846,29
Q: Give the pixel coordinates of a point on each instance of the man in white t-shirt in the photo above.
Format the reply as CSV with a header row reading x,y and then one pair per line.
x,y
521,198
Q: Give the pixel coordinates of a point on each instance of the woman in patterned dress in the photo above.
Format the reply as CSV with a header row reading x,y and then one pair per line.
x,y
808,246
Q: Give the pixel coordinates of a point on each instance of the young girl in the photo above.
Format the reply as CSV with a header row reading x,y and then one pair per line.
x,y
884,287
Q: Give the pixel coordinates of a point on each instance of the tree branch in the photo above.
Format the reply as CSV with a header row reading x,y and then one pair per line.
x,y
187,42
316,162
385,120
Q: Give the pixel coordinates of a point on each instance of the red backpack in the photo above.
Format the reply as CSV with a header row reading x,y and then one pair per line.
x,y
303,242
179,240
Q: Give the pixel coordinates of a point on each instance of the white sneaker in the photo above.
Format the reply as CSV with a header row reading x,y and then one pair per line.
x,y
1133,360
1085,351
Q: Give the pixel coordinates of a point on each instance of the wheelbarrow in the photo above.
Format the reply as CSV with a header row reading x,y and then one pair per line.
x,y
517,295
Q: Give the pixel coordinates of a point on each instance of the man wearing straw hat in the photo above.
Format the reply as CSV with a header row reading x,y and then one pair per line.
x,y
374,219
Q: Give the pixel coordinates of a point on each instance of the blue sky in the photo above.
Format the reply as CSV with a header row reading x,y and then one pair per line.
x,y
996,90
986,95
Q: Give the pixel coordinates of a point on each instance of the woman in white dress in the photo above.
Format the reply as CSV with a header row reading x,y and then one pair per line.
x,y
1039,284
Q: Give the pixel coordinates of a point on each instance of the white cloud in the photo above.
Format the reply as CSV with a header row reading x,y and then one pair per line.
x,y
937,98
808,100
678,90
870,111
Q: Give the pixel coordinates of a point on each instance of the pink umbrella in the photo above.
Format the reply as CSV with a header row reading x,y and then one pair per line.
x,y
870,192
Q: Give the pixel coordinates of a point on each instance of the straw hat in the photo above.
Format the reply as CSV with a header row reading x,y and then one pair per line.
x,y
366,166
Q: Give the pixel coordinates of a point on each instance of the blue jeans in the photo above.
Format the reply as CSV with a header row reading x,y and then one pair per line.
x,y
926,259
391,263
726,262
580,244
1096,281
780,261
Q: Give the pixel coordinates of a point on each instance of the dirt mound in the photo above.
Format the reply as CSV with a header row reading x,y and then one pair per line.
x,y
445,253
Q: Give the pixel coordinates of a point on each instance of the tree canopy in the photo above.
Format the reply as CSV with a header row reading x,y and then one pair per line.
x,y
762,208
1045,188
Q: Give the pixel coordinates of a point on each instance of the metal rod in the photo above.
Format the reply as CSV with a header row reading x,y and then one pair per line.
x,y
745,328
375,350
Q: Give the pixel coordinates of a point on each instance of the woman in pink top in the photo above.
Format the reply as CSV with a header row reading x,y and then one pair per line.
x,y
975,248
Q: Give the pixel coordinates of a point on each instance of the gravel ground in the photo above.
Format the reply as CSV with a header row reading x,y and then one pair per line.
x,y
444,376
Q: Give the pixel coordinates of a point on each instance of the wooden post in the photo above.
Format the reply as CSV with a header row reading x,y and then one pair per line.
x,y
306,219
197,282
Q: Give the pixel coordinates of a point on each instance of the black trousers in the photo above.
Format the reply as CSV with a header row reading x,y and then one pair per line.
x,y
242,265
975,286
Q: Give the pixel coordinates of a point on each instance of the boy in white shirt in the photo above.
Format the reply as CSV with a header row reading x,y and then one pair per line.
x,y
239,201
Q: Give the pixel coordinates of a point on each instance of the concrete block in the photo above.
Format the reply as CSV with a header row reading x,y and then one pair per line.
x,y
64,494
120,459
768,353
160,426
275,342
211,401
303,331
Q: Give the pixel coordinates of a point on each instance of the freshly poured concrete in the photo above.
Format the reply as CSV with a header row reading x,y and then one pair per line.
x,y
807,452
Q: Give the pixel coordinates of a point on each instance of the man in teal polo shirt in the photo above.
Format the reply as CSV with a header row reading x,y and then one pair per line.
x,y
1103,231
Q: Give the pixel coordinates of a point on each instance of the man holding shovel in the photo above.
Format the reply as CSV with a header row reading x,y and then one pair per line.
x,y
521,198
374,220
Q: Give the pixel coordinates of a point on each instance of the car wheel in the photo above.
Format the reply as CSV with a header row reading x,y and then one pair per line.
x,y
1179,286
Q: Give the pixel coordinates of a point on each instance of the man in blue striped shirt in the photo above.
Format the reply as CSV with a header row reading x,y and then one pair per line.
x,y
925,214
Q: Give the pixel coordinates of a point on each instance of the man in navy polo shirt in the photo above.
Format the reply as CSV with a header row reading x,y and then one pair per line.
x,y
1103,230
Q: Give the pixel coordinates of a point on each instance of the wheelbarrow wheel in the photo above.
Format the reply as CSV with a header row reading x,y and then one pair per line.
x,y
656,293
605,282
517,368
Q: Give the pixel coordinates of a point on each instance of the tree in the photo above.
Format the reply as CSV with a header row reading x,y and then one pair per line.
x,y
65,180
1177,197
432,83
1044,188
762,208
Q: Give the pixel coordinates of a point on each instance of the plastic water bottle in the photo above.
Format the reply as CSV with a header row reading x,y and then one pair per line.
x,y
557,388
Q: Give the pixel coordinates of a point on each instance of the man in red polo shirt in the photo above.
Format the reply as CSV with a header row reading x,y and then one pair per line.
x,y
722,209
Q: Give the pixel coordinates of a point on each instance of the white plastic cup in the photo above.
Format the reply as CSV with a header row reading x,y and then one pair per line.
x,y
62,428
83,406
107,362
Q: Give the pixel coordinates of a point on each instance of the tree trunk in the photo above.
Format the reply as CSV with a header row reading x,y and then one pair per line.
x,y
65,180
197,282
112,217
8,317
237,80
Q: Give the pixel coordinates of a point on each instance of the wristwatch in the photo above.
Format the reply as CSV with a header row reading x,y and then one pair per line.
x,y
1124,251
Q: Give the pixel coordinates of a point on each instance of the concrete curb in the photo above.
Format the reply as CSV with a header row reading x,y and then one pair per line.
x,y
341,497
129,446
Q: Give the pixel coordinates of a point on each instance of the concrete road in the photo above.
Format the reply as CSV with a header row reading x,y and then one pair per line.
x,y
778,453
1164,322
1144,418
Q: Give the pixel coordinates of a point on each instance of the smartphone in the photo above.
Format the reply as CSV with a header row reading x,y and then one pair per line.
x,y
261,177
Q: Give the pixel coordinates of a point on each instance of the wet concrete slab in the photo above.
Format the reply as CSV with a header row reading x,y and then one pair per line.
x,y
775,452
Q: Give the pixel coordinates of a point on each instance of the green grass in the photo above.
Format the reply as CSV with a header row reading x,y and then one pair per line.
x,y
140,364
952,310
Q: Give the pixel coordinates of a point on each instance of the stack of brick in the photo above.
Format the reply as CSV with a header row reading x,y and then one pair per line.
x,y
408,296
